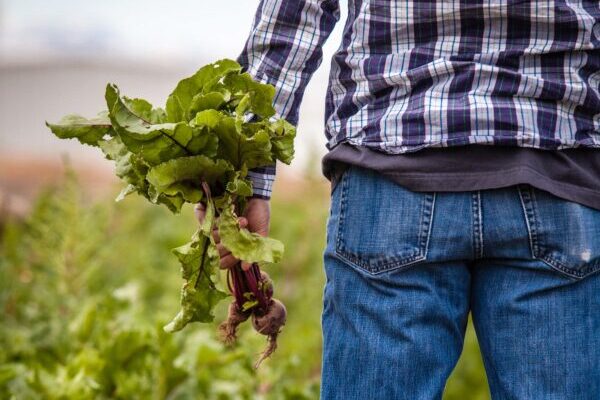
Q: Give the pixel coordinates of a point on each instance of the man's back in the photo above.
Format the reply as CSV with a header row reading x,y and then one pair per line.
x,y
414,74
440,73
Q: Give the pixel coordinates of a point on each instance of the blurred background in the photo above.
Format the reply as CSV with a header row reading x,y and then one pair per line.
x,y
57,59
85,283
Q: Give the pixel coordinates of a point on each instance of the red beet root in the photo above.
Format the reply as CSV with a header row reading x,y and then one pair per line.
x,y
228,328
253,289
270,324
266,284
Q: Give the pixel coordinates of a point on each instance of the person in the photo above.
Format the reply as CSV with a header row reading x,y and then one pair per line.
x,y
463,142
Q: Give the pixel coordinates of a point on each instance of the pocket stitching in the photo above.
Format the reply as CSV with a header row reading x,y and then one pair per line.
x,y
344,184
538,250
554,263
388,263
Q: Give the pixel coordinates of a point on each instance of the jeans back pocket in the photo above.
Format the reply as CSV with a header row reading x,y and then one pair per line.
x,y
382,225
564,234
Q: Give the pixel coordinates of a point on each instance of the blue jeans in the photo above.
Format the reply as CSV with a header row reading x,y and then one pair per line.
x,y
405,268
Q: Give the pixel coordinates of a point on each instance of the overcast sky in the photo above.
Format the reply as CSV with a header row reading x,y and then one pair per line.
x,y
152,29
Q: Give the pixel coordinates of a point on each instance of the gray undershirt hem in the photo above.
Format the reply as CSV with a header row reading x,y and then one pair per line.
x,y
572,174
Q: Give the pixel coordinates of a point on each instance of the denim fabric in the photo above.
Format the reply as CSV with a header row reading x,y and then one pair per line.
x,y
405,268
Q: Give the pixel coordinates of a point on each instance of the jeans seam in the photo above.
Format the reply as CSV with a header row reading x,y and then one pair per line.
x,y
528,220
559,265
393,263
429,222
343,193
402,263
538,251
477,225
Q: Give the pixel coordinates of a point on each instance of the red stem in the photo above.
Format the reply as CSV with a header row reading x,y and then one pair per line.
x,y
238,286
229,280
253,283
244,281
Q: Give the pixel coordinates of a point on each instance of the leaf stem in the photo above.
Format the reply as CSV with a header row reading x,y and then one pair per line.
x,y
189,153
201,270
160,130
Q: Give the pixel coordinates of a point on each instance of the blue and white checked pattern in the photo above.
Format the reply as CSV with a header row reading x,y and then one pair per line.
x,y
262,181
435,73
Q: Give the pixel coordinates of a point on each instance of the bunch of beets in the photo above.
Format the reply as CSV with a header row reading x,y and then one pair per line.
x,y
217,124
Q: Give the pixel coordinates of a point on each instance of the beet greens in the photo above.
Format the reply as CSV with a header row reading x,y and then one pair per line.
x,y
217,124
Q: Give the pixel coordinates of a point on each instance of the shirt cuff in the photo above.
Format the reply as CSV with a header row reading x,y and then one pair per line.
x,y
262,179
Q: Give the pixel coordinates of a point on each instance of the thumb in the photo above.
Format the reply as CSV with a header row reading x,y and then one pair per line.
x,y
258,215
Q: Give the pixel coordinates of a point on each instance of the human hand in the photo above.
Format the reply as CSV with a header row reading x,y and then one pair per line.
x,y
255,219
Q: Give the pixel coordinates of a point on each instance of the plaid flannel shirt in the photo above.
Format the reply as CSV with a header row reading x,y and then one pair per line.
x,y
412,74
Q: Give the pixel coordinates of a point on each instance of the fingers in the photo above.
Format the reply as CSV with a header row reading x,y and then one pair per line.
x,y
222,250
242,221
227,260
258,213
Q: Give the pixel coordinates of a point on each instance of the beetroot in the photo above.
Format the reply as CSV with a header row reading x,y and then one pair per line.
x,y
270,324
265,284
228,328
253,296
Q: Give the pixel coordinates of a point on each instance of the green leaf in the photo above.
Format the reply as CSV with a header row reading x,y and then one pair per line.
x,y
243,105
282,138
133,170
173,202
128,167
198,293
207,119
181,99
239,186
155,143
144,109
208,101
209,219
87,131
261,95
245,245
204,141
126,191
184,175
240,150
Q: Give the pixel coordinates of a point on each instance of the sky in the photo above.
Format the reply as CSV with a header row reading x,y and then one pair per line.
x,y
148,29
176,35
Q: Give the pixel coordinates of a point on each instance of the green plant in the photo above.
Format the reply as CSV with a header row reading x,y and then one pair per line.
x,y
217,125
81,313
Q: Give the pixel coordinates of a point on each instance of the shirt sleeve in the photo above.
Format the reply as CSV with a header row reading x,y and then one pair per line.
x,y
284,49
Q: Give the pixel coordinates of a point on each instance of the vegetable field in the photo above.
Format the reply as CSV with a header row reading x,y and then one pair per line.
x,y
86,287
